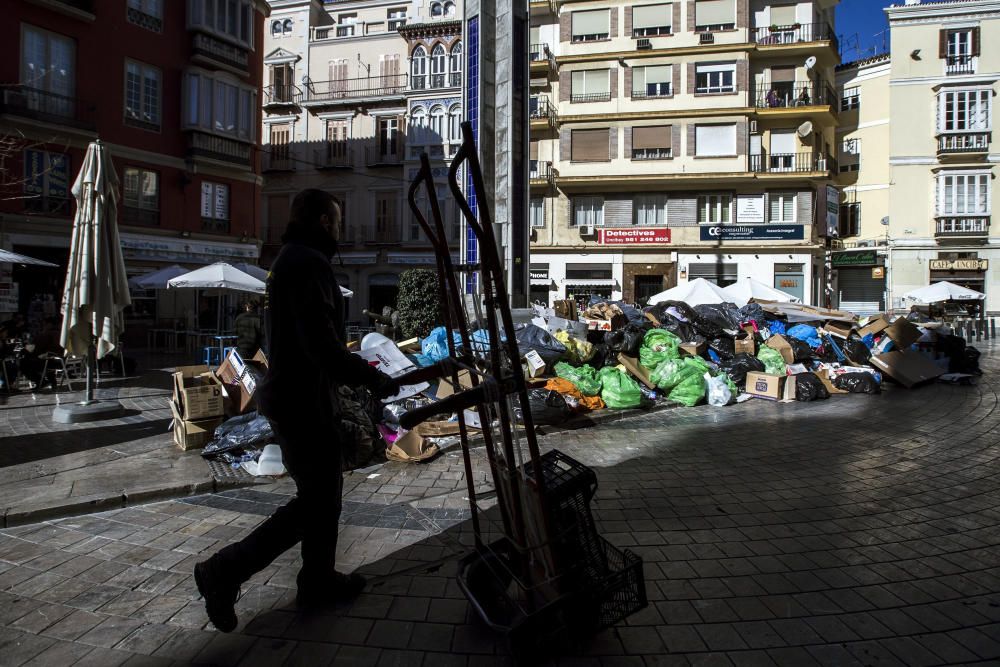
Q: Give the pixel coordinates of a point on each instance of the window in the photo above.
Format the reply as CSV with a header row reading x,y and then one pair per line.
x,y
449,9
649,209
963,194
651,20
715,140
651,143
964,111
851,99
418,129
714,209
958,48
418,69
214,201
850,155
142,95
145,14
588,211
141,190
216,105
715,78
455,65
346,24
286,27
47,182
388,136
781,207
592,85
48,66
591,26
275,28
783,150
849,222
536,212
714,15
229,18
396,18
455,124
386,204
336,141
438,66
437,124
437,9
590,145
652,81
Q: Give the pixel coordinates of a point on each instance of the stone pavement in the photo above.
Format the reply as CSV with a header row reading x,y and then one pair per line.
x,y
858,530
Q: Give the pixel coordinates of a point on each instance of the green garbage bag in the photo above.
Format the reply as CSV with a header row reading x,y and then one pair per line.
x,y
672,372
690,390
658,345
618,390
583,377
774,363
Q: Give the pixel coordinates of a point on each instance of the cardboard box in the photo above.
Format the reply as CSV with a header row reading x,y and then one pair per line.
x,y
781,344
565,308
694,349
597,325
536,365
556,323
239,378
766,386
874,326
829,385
652,318
903,333
838,329
387,358
746,344
197,393
635,369
906,367
445,389
193,434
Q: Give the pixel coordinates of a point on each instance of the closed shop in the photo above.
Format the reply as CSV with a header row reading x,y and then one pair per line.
x,y
722,274
858,292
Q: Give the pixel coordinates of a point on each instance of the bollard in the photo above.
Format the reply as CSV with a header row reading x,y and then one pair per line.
x,y
993,328
968,331
979,331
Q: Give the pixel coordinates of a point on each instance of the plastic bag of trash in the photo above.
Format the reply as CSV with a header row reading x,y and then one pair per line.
x,y
531,337
547,408
681,329
578,351
673,372
777,327
856,351
721,316
800,349
583,377
619,390
676,309
858,383
774,363
724,346
480,341
688,391
242,432
435,346
627,340
806,333
719,393
742,364
808,387
657,346
752,311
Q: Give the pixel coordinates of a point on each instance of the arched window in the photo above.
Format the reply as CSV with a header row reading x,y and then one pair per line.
x,y
275,28
449,9
437,9
418,69
286,27
438,67
418,126
437,125
455,77
455,124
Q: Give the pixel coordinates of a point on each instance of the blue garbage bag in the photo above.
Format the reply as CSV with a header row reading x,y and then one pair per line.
x,y
776,327
435,346
869,341
806,333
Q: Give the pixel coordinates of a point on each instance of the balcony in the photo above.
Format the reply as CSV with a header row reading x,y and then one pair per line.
x,y
140,217
796,163
455,79
351,90
207,48
396,24
797,33
538,53
282,95
214,226
540,173
958,65
591,97
335,155
48,205
963,143
48,107
78,9
383,233
653,90
279,159
221,149
144,20
389,155
794,94
541,113
976,226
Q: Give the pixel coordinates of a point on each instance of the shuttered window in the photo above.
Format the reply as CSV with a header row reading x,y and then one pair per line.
x,y
592,85
715,15
782,15
652,81
591,25
715,140
536,212
782,74
590,145
651,20
651,143
781,207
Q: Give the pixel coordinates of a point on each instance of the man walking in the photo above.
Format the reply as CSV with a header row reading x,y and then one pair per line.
x,y
248,331
308,361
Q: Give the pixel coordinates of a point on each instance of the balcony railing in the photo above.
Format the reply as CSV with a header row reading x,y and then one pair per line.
x,y
48,205
140,217
43,105
335,155
215,226
396,24
350,89
387,155
279,160
796,33
221,52
538,52
437,80
791,163
144,20
783,94
540,109
203,144
653,90
970,142
455,79
590,97
540,172
282,94
384,232
976,225
959,65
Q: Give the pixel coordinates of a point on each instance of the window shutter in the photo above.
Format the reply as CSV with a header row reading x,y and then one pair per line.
x,y
591,22
590,145
714,12
943,44
651,16
783,15
803,207
613,83
628,21
533,150
629,73
682,210
222,201
657,136
783,74
975,41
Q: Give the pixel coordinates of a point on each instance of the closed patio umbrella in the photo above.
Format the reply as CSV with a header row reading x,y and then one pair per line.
x,y
96,290
748,288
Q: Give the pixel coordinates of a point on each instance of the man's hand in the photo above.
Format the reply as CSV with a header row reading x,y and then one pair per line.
x,y
385,386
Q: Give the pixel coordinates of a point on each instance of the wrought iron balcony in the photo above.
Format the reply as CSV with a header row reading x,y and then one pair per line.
x,y
590,97
279,158
786,94
538,53
48,205
653,90
280,95
387,155
796,33
791,163
144,20
46,106
219,52
140,217
964,142
334,155
215,225
964,225
959,65
540,108
387,232
455,79
213,147
540,172
353,89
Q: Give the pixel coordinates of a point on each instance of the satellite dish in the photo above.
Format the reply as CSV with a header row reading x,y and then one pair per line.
x,y
805,129
810,62
885,221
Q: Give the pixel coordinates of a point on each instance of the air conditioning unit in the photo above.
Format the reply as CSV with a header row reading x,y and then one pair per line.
x,y
753,127
643,44
706,38
586,230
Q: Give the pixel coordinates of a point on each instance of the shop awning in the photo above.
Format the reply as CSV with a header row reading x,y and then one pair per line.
x,y
591,282
166,249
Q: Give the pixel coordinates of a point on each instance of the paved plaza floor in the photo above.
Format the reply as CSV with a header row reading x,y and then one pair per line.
x,y
857,530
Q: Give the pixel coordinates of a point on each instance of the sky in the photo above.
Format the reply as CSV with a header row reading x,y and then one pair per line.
x,y
860,26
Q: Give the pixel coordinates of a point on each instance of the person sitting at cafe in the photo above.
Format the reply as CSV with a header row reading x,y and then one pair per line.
x,y
46,343
249,334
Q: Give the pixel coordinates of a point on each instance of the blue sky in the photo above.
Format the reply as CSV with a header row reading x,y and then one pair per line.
x,y
859,24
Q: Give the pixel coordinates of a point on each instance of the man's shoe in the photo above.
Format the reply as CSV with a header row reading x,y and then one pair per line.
x,y
219,593
341,588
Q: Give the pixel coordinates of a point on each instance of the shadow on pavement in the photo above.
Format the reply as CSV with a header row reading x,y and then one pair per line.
x,y
37,446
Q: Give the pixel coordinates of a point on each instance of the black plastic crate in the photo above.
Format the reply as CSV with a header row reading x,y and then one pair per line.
x,y
619,592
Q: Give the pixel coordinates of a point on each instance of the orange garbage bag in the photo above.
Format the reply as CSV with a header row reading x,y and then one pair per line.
x,y
567,388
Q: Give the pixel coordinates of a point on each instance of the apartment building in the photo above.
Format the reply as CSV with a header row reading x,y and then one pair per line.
x,y
943,147
171,89
678,140
356,91
863,177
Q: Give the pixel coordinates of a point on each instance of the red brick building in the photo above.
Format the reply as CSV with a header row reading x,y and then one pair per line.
x,y
172,89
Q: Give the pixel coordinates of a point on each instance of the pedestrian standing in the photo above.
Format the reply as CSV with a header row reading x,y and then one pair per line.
x,y
249,332
308,361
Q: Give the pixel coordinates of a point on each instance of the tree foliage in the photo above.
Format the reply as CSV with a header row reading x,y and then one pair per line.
x,y
419,302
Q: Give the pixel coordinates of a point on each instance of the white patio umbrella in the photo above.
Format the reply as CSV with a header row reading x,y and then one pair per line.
x,y
253,270
157,279
96,289
218,276
694,293
8,257
748,288
943,291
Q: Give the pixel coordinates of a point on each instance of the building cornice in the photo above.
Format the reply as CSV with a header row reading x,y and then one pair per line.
x,y
435,29
697,50
658,114
934,12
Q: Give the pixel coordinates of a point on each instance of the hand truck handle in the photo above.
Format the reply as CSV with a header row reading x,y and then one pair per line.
x,y
446,366
487,391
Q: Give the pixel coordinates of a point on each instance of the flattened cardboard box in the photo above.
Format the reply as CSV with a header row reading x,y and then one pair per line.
x,y
874,326
747,345
839,329
907,367
240,378
636,370
193,434
766,386
694,349
781,344
903,333
198,393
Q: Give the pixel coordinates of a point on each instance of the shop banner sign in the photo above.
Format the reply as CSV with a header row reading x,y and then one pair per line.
x,y
749,208
630,236
866,258
752,232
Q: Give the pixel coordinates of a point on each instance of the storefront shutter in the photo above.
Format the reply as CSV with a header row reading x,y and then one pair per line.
x,y
858,292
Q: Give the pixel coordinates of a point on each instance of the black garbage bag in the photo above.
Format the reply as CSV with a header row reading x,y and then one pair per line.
x,y
531,337
971,361
711,318
857,383
547,408
856,351
962,358
808,387
672,309
753,311
740,365
602,357
243,432
826,354
724,346
800,349
627,339
633,314
682,330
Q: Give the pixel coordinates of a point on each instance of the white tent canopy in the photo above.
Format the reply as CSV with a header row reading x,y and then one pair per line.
x,y
748,288
156,279
943,291
8,257
252,270
218,276
694,293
